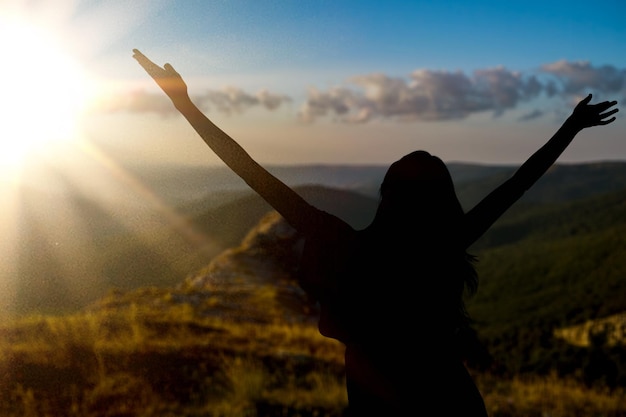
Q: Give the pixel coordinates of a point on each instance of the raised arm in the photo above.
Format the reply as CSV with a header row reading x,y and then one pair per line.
x,y
283,199
484,214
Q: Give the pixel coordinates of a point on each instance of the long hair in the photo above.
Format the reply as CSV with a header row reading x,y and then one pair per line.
x,y
417,196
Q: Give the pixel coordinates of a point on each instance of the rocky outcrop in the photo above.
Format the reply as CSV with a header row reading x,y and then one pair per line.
x,y
609,331
256,281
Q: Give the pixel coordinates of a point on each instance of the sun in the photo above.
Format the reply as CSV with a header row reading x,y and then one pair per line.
x,y
44,92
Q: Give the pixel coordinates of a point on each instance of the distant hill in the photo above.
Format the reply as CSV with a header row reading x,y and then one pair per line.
x,y
74,244
182,185
562,182
229,222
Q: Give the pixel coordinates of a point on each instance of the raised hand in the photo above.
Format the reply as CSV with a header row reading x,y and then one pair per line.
x,y
589,115
167,78
296,210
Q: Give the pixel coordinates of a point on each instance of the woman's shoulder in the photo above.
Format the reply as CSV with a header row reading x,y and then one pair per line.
x,y
324,225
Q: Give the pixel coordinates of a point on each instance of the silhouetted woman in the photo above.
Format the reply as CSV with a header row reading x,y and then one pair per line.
x,y
392,292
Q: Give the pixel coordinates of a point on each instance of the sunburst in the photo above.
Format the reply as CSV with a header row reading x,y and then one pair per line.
x,y
45,91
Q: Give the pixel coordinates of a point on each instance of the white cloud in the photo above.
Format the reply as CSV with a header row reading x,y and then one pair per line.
x,y
444,95
234,100
423,95
230,100
577,77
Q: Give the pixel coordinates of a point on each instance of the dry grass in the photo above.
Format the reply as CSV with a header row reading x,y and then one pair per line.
x,y
549,397
163,358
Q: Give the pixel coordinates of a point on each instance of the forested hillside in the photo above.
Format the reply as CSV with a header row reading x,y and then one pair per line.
x,y
545,267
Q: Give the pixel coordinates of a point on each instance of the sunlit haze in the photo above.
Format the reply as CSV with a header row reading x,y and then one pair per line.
x,y
315,82
45,89
294,82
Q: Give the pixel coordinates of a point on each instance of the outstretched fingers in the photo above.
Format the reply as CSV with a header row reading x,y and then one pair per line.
x,y
605,105
166,77
587,115
153,69
146,63
603,114
603,117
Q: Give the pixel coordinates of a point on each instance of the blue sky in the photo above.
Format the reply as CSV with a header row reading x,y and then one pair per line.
x,y
348,81
395,37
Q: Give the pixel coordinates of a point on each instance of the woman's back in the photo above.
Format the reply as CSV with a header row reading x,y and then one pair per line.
x,y
396,305
373,285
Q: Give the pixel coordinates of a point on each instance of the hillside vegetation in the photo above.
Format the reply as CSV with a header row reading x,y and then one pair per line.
x,y
548,267
236,338
152,352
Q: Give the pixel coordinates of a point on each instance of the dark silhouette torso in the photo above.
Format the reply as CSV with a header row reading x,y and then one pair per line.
x,y
395,305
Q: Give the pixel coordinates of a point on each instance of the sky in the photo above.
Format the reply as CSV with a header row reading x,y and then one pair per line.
x,y
294,82
299,82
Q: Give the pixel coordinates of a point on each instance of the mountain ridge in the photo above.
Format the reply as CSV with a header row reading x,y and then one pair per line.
x,y
94,247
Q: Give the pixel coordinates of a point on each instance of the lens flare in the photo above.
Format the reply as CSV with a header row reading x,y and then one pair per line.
x,y
45,91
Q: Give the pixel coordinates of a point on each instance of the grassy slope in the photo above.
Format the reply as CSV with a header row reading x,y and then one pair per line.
x,y
156,352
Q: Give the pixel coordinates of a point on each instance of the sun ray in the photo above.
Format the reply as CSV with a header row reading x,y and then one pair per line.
x,y
45,90
65,231
56,186
138,188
